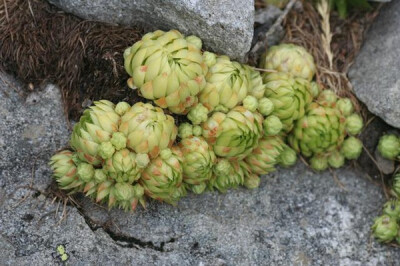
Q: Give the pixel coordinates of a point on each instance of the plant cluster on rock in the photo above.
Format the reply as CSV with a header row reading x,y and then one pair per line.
x,y
242,124
386,228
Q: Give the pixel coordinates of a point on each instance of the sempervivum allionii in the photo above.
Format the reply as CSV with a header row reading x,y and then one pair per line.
x,y
198,161
148,129
289,96
396,185
97,125
389,146
168,68
65,171
114,147
321,133
226,175
235,134
291,59
228,83
266,155
385,228
162,178
251,180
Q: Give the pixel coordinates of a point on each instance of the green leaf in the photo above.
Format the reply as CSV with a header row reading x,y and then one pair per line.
x,y
341,6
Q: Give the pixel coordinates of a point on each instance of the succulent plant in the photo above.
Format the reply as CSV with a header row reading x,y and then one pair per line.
x,y
272,125
315,89
103,184
321,130
117,148
290,58
209,58
354,124
319,162
197,131
336,159
288,156
228,83
392,208
266,155
327,98
162,179
265,106
226,175
235,134
289,97
65,171
96,125
389,146
198,114
345,106
198,162
123,167
128,196
185,130
167,68
257,86
396,185
250,103
148,129
251,180
351,148
385,228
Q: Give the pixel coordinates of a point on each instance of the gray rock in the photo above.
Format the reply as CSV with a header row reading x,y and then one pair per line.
x,y
370,137
225,26
267,15
296,217
386,166
375,75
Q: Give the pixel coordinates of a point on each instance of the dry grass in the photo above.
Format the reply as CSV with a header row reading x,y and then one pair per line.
x,y
326,35
85,58
333,42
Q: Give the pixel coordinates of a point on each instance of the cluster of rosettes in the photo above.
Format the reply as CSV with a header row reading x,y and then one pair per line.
x,y
327,131
317,124
240,122
389,146
386,227
121,153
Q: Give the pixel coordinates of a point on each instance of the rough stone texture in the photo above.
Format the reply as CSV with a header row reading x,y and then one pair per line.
x,y
375,74
225,26
264,18
296,217
370,138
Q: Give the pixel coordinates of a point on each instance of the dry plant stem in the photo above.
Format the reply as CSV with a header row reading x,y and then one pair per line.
x,y
326,35
265,70
380,171
304,28
337,181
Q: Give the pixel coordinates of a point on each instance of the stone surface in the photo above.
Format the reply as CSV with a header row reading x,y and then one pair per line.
x,y
296,217
225,26
370,138
264,18
375,73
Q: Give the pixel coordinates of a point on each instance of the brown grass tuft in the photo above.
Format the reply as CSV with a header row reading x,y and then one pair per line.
x,y
334,45
41,44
